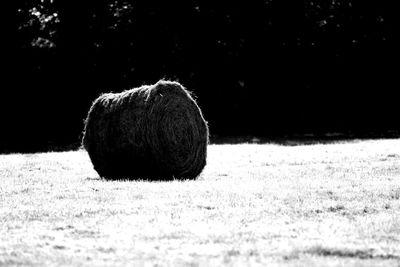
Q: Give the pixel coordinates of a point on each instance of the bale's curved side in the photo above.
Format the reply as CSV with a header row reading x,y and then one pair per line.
x,y
151,132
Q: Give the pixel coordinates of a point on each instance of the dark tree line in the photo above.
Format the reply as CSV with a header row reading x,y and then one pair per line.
x,y
268,68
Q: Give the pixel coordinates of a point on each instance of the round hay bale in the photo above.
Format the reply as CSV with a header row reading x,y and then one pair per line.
x,y
154,132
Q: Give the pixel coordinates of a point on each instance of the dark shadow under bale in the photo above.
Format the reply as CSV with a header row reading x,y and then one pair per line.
x,y
154,132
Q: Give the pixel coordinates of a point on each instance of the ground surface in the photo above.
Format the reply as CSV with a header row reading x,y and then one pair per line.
x,y
267,205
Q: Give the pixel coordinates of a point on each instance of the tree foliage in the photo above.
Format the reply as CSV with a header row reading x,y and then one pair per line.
x,y
258,67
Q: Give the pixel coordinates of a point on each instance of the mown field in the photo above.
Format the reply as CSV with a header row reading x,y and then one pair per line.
x,y
254,205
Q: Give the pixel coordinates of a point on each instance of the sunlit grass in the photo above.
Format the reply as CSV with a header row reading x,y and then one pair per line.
x,y
336,204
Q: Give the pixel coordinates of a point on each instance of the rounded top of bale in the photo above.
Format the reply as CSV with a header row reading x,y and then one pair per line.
x,y
151,132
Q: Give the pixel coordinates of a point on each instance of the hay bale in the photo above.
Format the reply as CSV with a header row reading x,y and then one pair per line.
x,y
154,132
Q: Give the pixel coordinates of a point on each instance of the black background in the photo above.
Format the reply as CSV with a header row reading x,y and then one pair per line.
x,y
272,68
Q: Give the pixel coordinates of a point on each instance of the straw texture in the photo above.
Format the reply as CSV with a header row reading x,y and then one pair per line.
x,y
154,132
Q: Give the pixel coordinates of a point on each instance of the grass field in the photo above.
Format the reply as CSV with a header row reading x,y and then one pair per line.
x,y
254,205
